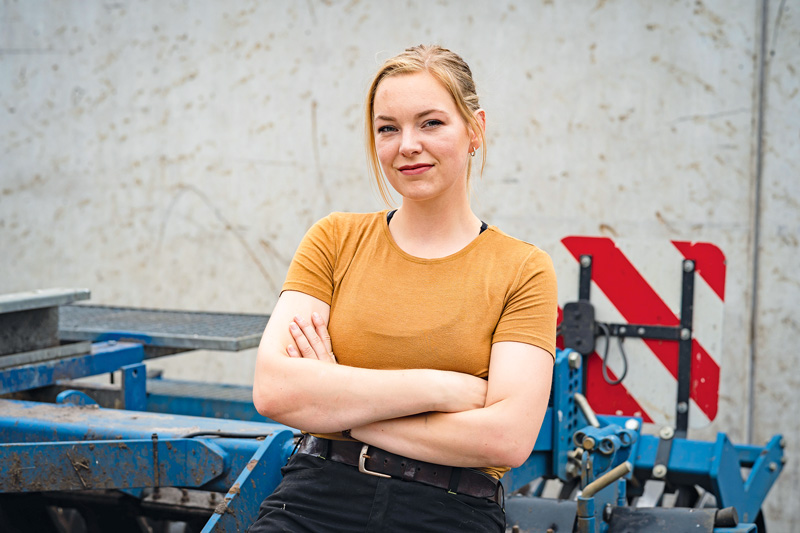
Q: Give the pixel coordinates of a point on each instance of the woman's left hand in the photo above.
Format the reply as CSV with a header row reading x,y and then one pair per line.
x,y
312,340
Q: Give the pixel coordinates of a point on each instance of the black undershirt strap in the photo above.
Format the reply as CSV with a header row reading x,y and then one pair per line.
x,y
390,214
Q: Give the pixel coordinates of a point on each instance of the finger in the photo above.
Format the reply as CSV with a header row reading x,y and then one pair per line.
x,y
313,339
322,331
292,351
303,346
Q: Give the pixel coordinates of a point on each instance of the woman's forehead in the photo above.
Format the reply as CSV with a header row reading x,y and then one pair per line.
x,y
413,93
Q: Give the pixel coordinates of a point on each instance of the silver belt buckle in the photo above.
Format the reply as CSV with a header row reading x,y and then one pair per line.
x,y
362,458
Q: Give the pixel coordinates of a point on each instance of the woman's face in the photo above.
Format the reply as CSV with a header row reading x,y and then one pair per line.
x,y
422,142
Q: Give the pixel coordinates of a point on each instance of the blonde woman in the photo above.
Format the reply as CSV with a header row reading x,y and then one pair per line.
x,y
414,347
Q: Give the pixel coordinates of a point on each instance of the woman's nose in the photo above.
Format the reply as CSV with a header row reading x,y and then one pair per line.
x,y
409,143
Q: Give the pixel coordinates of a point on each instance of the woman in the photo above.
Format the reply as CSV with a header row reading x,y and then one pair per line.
x,y
420,341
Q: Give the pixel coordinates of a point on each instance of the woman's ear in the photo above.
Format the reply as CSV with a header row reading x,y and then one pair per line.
x,y
476,137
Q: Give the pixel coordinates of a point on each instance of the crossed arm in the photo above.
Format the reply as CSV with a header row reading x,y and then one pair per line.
x,y
432,415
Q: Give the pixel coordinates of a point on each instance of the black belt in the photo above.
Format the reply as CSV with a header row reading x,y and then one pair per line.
x,y
377,462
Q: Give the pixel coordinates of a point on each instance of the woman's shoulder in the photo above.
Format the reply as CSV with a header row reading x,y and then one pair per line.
x,y
340,226
505,243
342,218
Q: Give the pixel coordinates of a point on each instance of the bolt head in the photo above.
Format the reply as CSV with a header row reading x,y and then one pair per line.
x,y
659,471
683,407
588,443
688,265
773,467
632,424
666,432
574,360
685,334
586,260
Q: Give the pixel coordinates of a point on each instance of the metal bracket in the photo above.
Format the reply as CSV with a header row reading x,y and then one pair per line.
x,y
663,452
580,331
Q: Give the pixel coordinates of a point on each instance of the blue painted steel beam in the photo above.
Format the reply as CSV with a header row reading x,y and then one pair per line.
x,y
134,387
258,479
214,400
104,357
35,422
81,465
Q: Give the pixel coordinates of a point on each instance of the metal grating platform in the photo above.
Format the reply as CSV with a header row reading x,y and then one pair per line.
x,y
188,330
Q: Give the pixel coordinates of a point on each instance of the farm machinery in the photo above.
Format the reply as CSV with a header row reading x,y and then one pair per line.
x,y
142,453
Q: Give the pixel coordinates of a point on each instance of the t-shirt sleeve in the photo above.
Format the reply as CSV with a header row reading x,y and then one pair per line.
x,y
312,268
531,310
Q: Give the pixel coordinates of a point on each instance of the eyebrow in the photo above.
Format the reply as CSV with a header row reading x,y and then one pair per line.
x,y
418,115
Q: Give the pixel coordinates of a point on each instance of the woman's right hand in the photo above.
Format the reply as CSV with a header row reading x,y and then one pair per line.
x,y
311,339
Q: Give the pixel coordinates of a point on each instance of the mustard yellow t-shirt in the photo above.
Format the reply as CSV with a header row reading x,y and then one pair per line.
x,y
390,310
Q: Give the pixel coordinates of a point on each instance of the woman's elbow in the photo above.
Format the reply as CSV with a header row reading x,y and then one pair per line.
x,y
266,404
512,450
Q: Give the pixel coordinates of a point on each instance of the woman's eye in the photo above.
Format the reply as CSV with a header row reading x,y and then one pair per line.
x,y
386,129
433,123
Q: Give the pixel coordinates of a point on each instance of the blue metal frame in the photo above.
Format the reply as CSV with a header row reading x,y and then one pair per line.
x,y
104,357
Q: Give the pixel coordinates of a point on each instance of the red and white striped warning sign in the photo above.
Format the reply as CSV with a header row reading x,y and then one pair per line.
x,y
640,283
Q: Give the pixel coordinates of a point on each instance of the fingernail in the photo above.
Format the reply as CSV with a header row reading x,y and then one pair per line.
x,y
291,351
293,327
315,316
299,319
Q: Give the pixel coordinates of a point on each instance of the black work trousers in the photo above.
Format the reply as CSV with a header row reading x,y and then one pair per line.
x,y
319,495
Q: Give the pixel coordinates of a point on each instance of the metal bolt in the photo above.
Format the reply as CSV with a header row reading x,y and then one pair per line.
x,y
640,331
666,433
622,330
686,334
588,443
659,471
586,260
683,407
632,424
607,512
574,360
773,467
572,470
688,265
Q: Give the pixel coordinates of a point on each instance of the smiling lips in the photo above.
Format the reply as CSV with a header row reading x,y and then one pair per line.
x,y
411,170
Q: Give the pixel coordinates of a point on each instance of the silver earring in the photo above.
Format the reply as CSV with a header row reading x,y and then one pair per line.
x,y
472,152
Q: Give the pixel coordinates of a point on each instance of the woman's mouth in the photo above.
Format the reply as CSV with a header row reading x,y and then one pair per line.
x,y
412,170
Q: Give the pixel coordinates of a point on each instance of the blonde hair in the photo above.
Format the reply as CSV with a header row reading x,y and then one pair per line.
x,y
451,71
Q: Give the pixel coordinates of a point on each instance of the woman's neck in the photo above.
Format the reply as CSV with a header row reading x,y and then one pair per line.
x,y
429,233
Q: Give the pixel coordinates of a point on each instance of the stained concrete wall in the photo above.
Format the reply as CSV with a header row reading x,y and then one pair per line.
x,y
172,154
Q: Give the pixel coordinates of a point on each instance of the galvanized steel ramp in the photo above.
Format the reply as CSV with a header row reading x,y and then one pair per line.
x,y
179,330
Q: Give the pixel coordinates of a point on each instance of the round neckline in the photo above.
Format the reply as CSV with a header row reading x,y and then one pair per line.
x,y
455,255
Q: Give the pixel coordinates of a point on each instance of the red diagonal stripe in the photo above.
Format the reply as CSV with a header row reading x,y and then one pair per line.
x,y
710,262
638,303
609,399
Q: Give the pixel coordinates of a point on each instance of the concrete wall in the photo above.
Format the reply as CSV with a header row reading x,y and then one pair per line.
x,y
172,154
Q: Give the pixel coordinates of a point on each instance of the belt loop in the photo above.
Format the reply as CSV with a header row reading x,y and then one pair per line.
x,y
327,452
455,477
297,444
